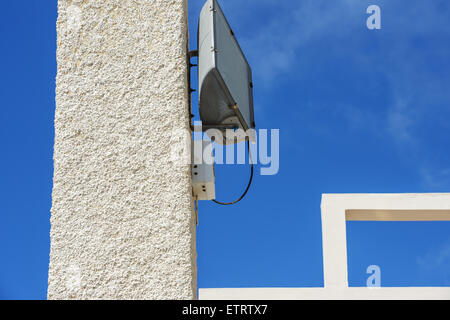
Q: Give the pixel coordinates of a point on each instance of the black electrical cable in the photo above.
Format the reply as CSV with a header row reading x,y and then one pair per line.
x,y
248,186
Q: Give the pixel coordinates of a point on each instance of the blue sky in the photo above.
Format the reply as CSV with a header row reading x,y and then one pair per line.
x,y
358,111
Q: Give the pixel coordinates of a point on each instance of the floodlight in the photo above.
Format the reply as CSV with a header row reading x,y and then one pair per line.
x,y
225,77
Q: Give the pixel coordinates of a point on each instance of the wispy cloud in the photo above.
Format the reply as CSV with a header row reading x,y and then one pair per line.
x,y
436,261
282,38
399,123
275,41
416,79
436,178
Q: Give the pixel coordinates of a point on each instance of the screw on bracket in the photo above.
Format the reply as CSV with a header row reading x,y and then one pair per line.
x,y
193,53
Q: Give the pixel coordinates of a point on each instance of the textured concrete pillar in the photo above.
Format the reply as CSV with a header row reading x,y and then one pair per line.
x,y
122,218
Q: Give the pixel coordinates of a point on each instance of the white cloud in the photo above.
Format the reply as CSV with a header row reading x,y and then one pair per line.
x,y
276,41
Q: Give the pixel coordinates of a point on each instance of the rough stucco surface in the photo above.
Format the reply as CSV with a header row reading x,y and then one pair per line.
x,y
122,218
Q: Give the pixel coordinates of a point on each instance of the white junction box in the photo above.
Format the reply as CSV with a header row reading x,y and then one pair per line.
x,y
203,177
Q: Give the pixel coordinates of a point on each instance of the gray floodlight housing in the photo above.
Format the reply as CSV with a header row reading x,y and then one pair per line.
x,y
225,77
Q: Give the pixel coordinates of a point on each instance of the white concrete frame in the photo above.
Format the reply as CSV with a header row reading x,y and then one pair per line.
x,y
336,210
